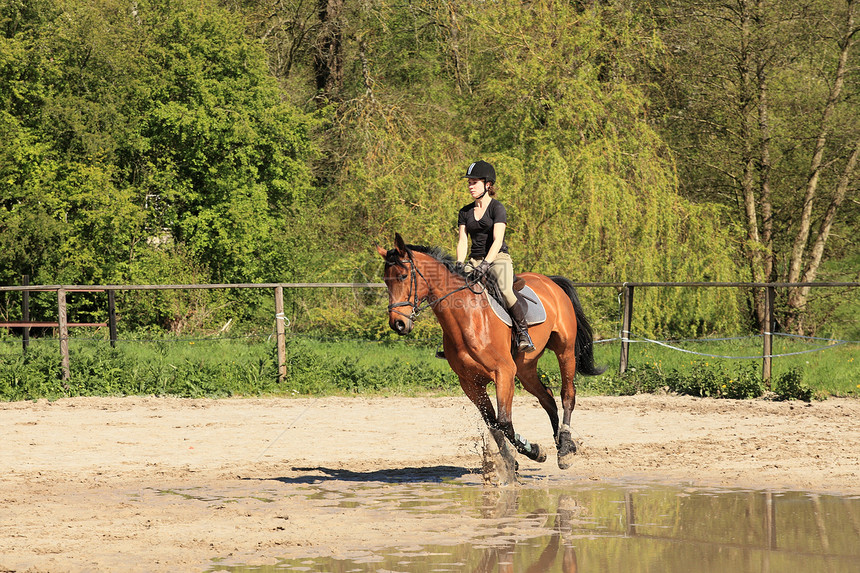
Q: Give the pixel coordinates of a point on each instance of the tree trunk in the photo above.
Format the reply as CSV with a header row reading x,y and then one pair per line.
x,y
765,246
461,69
764,174
328,56
747,95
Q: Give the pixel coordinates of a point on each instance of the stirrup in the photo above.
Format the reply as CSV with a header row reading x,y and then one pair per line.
x,y
524,342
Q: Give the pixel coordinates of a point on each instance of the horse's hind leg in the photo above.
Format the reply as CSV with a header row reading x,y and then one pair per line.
x,y
567,446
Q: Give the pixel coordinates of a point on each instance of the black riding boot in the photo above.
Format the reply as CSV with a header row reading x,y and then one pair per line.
x,y
521,327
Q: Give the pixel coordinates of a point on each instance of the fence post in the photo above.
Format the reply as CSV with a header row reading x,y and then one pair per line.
x,y
282,345
64,332
770,520
625,327
767,335
25,312
630,514
112,317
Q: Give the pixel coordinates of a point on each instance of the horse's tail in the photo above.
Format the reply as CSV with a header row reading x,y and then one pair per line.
x,y
584,344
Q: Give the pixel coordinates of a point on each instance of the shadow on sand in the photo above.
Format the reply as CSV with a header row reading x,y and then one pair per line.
x,y
432,474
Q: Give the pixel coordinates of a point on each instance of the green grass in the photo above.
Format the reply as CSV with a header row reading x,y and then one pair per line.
x,y
830,370
406,366
164,366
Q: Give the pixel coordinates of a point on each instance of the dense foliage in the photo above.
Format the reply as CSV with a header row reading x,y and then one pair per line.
x,y
145,143
148,141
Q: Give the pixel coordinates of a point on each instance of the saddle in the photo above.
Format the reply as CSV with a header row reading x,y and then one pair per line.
x,y
535,311
519,283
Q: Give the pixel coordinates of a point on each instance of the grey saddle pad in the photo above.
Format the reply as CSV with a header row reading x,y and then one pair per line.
x,y
535,312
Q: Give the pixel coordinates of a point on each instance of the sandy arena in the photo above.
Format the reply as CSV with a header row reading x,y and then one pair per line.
x,y
164,484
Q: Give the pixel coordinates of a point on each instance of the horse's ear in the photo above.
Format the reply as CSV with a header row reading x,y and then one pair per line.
x,y
382,252
402,249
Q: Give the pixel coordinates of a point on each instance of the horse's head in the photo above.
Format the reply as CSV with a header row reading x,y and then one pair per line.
x,y
405,291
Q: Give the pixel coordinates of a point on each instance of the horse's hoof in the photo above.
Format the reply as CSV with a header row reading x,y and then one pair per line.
x,y
500,463
565,462
567,448
540,454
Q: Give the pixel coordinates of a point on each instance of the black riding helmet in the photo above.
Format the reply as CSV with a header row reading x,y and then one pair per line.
x,y
481,170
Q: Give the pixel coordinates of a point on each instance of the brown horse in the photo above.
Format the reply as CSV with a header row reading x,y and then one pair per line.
x,y
477,343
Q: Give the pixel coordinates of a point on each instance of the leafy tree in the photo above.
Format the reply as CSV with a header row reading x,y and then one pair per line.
x,y
225,157
140,136
145,127
591,184
760,108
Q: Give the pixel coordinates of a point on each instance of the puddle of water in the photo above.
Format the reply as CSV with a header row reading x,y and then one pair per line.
x,y
610,527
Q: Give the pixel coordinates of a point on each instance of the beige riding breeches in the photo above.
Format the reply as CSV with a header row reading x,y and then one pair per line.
x,y
502,270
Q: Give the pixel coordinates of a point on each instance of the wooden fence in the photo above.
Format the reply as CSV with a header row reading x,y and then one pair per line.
x,y
627,290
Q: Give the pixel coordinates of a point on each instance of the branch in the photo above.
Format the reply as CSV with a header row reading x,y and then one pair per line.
x,y
796,261
827,222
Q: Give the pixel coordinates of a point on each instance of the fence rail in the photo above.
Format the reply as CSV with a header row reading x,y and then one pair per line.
x,y
627,290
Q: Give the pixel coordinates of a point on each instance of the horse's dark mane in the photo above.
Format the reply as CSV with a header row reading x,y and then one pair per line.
x,y
441,256
393,259
435,252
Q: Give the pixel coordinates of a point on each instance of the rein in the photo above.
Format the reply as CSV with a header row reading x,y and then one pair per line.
x,y
415,304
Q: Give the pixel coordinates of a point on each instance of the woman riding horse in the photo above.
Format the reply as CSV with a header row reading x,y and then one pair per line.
x,y
477,343
484,221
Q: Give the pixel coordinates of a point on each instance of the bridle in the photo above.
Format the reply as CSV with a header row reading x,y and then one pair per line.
x,y
415,303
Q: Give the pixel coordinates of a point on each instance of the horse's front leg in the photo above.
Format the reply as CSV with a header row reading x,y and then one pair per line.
x,y
532,451
506,467
504,401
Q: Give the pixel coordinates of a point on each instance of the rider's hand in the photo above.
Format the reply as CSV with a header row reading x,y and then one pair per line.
x,y
459,267
483,267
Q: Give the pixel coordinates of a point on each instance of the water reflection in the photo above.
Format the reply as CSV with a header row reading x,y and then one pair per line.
x,y
617,527
541,554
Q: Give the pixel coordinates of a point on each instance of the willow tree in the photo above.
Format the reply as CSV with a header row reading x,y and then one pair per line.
x,y
393,146
591,187
546,91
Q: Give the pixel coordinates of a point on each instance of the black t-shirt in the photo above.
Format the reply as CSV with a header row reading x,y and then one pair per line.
x,y
481,232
